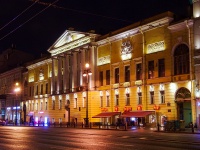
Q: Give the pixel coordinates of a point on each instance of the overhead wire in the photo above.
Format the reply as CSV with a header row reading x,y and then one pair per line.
x,y
28,20
83,12
18,15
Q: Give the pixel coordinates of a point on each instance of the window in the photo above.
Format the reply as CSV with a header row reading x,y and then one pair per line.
x,y
37,106
75,102
37,90
107,77
40,105
116,75
33,106
127,99
53,104
162,97
30,91
151,69
46,90
108,101
181,60
84,102
101,78
60,104
116,100
45,105
41,89
139,71
101,101
139,98
127,73
151,97
161,67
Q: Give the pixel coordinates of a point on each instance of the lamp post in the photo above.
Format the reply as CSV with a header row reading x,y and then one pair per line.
x,y
16,90
87,72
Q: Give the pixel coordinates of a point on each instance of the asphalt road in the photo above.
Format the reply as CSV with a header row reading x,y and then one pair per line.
x,y
45,138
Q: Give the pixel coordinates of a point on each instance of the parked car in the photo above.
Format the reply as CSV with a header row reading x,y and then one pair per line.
x,y
2,122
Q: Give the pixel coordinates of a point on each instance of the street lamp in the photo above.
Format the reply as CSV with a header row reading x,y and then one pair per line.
x,y
16,90
87,72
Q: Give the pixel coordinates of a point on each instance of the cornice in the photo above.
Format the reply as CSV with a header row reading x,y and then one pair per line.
x,y
134,31
181,25
39,64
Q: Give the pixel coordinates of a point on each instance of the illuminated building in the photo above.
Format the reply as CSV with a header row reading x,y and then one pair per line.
x,y
147,66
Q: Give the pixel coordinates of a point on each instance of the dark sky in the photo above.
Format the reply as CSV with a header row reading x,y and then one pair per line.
x,y
32,28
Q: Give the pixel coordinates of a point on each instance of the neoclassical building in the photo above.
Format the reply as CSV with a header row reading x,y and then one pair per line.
x,y
144,73
148,67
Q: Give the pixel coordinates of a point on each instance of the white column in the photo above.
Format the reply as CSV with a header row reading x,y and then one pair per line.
x,y
53,77
64,74
59,74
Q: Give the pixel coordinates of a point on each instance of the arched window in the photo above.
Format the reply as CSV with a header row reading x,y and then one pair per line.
x,y
181,60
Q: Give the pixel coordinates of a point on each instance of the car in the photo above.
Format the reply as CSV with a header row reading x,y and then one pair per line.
x,y
2,122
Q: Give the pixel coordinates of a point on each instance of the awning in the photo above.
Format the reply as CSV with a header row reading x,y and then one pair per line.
x,y
137,113
106,114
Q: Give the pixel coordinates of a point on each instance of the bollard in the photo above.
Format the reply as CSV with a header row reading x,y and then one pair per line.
x,y
82,124
192,127
158,126
125,127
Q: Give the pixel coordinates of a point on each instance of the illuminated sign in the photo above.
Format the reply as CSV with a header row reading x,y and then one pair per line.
x,y
103,60
156,47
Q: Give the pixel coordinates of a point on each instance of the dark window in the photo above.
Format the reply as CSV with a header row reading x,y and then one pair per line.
x,y
139,71
181,60
139,98
161,67
30,91
151,69
101,78
116,75
101,102
127,99
53,104
45,105
151,97
116,100
42,89
127,73
46,88
108,100
162,97
107,77
37,90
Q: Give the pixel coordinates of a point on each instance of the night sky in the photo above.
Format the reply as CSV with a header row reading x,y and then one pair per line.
x,y
32,27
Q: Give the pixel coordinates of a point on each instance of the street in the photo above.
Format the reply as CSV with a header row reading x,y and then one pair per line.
x,y
43,138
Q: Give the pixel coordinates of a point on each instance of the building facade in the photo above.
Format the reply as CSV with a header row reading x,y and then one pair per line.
x,y
148,66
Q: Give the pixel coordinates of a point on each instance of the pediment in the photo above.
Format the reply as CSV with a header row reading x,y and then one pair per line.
x,y
67,37
70,40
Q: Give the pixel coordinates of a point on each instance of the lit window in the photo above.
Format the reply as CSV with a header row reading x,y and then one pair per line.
x,y
162,97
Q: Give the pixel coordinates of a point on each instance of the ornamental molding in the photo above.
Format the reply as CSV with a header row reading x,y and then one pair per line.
x,y
35,65
136,30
